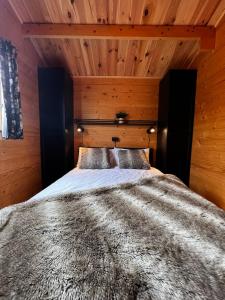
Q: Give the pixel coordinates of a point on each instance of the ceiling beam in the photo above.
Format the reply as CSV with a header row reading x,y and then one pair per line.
x,y
205,34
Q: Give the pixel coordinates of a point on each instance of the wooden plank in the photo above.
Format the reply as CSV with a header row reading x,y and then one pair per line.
x,y
208,154
218,14
206,34
169,12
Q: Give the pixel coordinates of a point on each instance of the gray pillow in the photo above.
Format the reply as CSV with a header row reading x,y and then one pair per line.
x,y
133,159
94,158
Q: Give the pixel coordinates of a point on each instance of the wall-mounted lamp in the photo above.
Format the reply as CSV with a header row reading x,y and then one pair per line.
x,y
120,117
151,130
80,129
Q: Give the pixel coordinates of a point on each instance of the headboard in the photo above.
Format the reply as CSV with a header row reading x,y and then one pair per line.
x,y
103,98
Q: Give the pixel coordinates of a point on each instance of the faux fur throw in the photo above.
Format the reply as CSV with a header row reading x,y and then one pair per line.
x,y
155,239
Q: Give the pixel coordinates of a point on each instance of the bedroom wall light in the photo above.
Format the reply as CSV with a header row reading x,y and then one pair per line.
x,y
151,130
80,129
120,117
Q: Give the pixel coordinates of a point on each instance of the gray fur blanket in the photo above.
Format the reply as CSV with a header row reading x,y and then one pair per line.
x,y
154,239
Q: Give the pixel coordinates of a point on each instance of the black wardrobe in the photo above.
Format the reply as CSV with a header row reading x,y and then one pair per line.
x,y
175,122
56,123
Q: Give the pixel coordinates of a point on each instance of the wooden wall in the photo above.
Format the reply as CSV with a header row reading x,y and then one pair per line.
x,y
102,98
208,152
20,175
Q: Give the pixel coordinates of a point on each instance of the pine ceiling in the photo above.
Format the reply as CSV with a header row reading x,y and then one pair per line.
x,y
110,57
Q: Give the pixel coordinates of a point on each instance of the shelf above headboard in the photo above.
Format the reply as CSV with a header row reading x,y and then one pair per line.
x,y
115,122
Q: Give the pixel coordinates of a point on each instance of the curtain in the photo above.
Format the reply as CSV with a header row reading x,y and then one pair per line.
x,y
11,112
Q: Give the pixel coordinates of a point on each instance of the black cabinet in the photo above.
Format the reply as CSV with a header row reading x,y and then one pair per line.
x,y
56,123
175,122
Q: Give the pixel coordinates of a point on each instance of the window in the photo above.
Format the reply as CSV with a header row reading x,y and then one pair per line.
x,y
10,105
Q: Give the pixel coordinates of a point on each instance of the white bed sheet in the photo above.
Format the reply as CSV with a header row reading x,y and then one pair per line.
x,y
86,179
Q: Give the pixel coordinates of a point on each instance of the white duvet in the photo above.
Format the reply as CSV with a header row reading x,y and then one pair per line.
x,y
85,179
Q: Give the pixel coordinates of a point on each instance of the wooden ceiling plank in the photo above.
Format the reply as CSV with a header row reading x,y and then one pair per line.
x,y
67,12
20,11
185,11
165,10
112,11
101,9
137,13
84,45
89,12
75,12
122,51
124,12
167,53
88,46
30,11
157,47
135,61
113,56
203,12
132,32
95,57
142,58
156,12
171,13
77,57
130,58
218,14
103,45
182,12
149,57
52,11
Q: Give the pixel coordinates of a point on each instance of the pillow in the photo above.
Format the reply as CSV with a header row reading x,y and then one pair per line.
x,y
146,150
112,158
93,158
133,159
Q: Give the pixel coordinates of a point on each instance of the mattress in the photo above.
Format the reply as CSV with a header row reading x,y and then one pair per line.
x,y
86,179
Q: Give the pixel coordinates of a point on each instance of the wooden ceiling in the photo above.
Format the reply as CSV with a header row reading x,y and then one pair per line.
x,y
101,57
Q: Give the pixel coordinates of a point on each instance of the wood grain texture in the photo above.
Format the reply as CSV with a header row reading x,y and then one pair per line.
x,y
135,58
146,58
171,12
97,98
20,174
208,151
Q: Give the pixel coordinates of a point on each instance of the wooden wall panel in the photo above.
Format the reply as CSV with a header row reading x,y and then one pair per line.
x,y
208,151
20,174
102,98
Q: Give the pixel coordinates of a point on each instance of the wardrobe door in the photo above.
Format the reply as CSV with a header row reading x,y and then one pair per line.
x,y
69,126
163,108
175,122
55,99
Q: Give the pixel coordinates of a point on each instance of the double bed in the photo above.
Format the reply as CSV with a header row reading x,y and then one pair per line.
x,y
113,234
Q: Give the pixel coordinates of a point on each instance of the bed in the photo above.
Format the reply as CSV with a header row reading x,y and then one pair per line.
x,y
113,234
